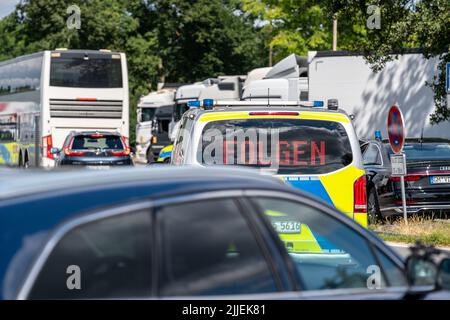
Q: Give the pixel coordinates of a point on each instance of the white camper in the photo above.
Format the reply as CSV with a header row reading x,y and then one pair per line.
x,y
367,95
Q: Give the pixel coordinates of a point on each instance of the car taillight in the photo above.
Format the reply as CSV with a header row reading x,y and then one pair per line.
x,y
47,145
71,153
125,152
359,195
407,178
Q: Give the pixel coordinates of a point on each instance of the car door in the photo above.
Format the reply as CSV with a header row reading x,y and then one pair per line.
x,y
107,254
377,170
329,254
209,247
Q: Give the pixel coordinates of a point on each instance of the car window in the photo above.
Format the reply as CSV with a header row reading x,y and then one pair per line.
x,y
293,146
372,155
209,249
97,141
395,276
112,255
326,253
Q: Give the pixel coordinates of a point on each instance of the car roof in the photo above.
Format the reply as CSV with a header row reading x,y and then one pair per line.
x,y
86,133
40,182
264,106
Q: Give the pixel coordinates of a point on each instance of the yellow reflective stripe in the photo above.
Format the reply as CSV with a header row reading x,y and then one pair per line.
x,y
297,242
301,242
273,213
216,116
339,186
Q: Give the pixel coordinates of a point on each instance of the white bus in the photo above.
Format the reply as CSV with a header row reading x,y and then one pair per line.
x,y
44,96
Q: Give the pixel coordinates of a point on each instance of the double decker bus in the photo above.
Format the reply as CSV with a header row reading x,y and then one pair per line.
x,y
46,95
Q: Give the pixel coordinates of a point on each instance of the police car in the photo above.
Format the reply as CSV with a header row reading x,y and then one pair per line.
x,y
311,147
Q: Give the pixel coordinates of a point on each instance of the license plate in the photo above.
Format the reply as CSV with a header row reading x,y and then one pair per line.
x,y
439,179
287,226
98,167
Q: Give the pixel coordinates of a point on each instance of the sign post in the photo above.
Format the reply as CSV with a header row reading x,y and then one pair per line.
x,y
447,83
396,134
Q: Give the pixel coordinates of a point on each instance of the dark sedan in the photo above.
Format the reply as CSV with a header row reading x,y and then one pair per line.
x,y
187,232
94,150
427,182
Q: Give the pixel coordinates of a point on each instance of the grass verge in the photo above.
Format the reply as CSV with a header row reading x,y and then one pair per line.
x,y
423,229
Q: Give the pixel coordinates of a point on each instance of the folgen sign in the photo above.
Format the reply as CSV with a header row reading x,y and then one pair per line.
x,y
283,153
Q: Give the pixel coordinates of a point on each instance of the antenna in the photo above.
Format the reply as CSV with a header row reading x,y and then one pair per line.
x,y
268,97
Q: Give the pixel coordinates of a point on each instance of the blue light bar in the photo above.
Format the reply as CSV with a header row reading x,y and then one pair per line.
x,y
193,104
208,103
318,103
378,135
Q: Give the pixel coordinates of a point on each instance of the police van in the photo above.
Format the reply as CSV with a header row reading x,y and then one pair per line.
x,y
307,145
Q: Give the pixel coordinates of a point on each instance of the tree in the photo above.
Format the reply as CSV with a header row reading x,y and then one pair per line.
x,y
404,24
205,38
300,26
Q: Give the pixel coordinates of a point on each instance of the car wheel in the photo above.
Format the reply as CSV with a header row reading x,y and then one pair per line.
x,y
373,209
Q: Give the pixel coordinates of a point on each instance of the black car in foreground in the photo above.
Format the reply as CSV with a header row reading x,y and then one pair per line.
x,y
94,150
427,183
197,233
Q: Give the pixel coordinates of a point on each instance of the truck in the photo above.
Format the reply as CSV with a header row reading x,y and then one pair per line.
x,y
287,80
154,113
368,95
222,87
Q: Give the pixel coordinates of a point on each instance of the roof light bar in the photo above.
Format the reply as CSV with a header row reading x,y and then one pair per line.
x,y
194,104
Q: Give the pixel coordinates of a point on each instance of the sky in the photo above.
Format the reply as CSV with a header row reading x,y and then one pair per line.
x,y
7,6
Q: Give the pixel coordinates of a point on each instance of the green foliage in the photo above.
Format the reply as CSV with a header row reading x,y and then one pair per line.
x,y
404,24
165,40
302,25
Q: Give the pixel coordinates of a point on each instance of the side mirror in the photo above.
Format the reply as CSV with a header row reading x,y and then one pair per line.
x,y
421,271
55,150
443,274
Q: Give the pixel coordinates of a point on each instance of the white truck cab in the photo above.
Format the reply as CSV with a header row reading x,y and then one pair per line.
x,y
287,80
152,111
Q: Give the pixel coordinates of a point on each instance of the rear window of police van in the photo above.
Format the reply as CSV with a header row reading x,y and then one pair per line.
x,y
287,146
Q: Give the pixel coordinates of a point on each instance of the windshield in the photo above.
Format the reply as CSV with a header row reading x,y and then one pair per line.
x,y
97,142
147,114
77,72
180,109
427,151
288,146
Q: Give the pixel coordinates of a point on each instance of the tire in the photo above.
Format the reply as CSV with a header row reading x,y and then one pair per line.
x,y
373,208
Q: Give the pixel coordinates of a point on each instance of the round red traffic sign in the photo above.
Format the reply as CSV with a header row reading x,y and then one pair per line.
x,y
396,129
